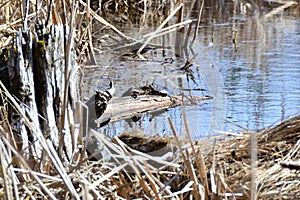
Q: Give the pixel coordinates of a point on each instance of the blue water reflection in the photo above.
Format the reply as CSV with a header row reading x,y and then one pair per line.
x,y
254,84
262,77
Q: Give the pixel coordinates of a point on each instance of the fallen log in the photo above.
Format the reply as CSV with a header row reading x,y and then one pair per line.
x,y
127,107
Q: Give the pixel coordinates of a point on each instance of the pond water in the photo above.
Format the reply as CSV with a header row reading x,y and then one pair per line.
x,y
254,84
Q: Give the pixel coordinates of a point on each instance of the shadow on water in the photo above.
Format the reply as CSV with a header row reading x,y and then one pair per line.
x,y
254,82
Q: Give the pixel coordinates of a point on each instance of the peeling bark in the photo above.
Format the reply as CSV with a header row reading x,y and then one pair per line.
x,y
36,69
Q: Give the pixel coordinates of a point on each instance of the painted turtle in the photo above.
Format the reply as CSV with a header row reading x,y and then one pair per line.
x,y
149,90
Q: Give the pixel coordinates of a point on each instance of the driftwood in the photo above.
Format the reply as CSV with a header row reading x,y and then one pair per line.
x,y
127,107
280,8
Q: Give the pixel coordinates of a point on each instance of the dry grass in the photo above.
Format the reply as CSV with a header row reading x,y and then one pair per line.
x,y
276,146
258,165
220,170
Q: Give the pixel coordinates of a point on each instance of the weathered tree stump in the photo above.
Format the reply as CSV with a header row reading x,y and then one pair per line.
x,y
44,80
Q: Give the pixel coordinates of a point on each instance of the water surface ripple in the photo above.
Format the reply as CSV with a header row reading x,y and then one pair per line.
x,y
254,84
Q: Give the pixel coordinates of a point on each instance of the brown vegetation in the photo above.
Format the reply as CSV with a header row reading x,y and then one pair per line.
x,y
263,165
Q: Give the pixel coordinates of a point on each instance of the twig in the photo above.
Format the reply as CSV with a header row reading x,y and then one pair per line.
x,y
158,30
103,21
198,155
198,23
253,183
186,162
24,163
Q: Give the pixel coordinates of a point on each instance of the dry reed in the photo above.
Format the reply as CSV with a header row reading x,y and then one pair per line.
x,y
123,172
195,170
